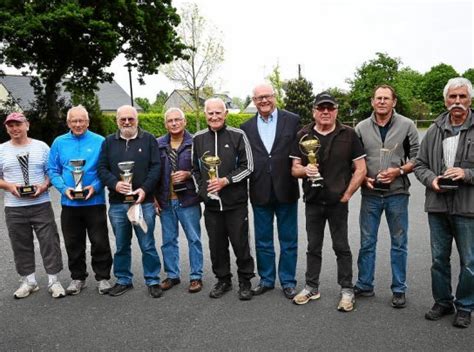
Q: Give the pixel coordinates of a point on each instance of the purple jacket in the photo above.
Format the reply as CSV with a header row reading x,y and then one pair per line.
x,y
188,197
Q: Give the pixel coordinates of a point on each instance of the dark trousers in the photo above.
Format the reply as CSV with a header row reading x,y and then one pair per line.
x,y
221,227
77,223
21,221
336,216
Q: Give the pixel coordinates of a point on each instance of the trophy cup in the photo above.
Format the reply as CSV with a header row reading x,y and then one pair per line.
x,y
27,189
173,158
385,159
211,162
450,146
78,193
309,146
126,167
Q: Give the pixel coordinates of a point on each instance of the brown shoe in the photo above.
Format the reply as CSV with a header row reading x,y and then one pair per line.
x,y
195,286
168,283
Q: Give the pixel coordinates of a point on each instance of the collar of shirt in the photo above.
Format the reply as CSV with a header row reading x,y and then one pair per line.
x,y
273,116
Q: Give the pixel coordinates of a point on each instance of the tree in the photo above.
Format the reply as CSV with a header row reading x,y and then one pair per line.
x,y
79,39
407,85
431,90
343,100
160,101
144,103
469,74
239,102
299,98
381,70
277,84
205,53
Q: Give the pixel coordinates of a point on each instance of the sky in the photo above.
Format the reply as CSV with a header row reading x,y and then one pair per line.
x,y
330,39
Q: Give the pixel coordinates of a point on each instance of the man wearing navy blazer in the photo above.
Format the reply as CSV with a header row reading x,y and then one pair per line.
x,y
274,191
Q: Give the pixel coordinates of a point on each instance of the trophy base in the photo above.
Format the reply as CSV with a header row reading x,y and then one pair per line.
x,y
448,184
130,198
79,195
382,187
26,191
179,187
317,181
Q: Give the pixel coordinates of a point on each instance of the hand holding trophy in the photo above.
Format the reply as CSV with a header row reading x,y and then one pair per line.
x,y
27,189
385,160
127,176
211,163
78,193
309,146
450,147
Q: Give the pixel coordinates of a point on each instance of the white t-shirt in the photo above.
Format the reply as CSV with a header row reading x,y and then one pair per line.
x,y
10,170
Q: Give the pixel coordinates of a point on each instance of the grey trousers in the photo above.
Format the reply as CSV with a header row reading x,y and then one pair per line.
x,y
21,221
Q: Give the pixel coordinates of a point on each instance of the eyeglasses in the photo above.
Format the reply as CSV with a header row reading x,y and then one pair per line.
x,y
260,98
325,107
127,119
177,120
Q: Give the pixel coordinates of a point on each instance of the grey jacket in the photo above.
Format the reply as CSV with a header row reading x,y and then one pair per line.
x,y
429,164
402,134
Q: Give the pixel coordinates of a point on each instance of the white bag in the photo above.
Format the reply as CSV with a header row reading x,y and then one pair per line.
x,y
135,215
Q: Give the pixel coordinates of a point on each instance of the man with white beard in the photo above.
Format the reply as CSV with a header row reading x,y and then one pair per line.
x,y
131,144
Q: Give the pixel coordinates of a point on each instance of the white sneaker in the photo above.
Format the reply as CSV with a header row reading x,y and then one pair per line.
x,y
307,294
75,287
25,289
104,287
346,304
56,290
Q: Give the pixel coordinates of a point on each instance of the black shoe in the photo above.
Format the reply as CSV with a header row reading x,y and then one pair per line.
x,y
399,300
155,291
438,311
220,288
245,292
169,283
462,319
119,289
289,292
358,292
260,290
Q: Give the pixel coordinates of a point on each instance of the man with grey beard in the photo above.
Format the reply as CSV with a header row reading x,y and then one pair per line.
x,y
132,144
445,165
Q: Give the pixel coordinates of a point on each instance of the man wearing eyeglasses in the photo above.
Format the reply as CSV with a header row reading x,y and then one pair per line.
x,y
385,189
341,164
131,143
177,202
274,191
81,217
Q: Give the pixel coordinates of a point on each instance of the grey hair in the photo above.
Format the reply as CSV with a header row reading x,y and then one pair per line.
x,y
458,82
264,84
127,107
170,110
78,107
214,100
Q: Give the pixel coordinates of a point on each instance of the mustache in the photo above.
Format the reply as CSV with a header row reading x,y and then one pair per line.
x,y
454,106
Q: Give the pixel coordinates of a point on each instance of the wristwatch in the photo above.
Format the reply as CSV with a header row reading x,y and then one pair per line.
x,y
402,172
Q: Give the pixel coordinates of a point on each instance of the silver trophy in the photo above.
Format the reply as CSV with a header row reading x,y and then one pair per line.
x,y
78,192
450,147
211,163
309,146
385,161
127,176
26,189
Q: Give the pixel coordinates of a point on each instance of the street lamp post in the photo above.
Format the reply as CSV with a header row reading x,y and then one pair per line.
x,y
130,65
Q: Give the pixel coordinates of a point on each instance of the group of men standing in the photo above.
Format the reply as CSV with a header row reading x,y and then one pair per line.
x,y
173,174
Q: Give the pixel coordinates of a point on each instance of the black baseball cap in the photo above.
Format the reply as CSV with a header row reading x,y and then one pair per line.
x,y
324,97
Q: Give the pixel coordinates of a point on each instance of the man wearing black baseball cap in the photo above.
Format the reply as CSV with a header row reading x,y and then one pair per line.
x,y
341,165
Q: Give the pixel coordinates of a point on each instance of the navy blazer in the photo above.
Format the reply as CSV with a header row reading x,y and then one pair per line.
x,y
273,170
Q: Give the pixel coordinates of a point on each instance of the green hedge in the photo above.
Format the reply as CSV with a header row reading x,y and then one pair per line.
x,y
153,122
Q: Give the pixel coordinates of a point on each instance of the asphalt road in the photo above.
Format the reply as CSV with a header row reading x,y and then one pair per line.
x,y
183,321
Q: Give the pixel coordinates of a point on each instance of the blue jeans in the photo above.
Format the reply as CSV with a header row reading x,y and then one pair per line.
x,y
286,215
123,239
396,213
443,229
189,218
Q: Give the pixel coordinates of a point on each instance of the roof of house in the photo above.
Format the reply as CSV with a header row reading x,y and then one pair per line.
x,y
111,95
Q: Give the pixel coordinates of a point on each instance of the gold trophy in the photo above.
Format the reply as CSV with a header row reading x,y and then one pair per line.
x,y
309,146
211,163
385,160
78,193
126,167
27,189
450,147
